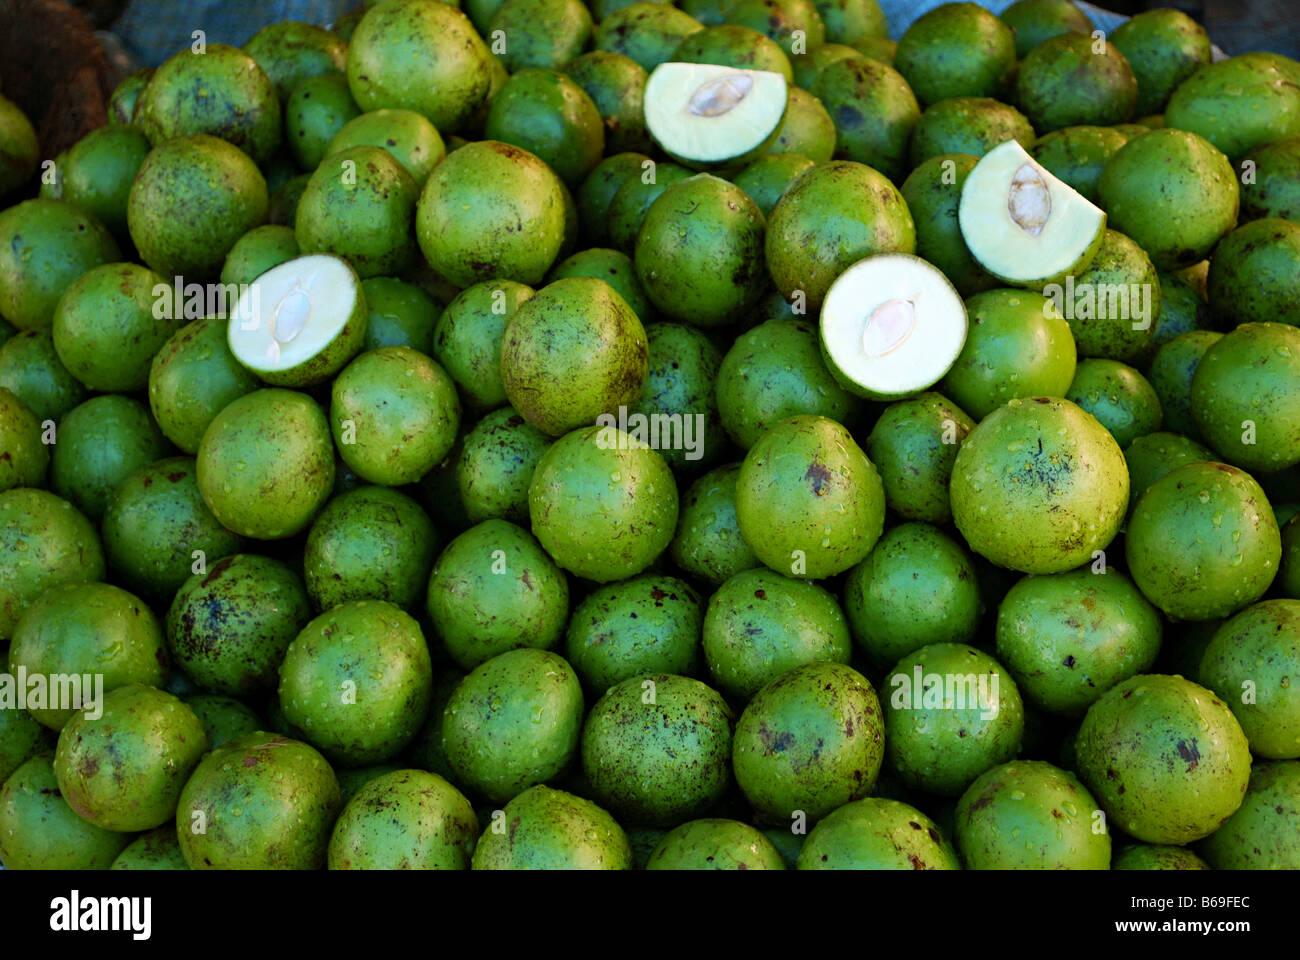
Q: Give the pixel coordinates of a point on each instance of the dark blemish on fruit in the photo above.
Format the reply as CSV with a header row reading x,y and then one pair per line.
x,y
820,477
1190,754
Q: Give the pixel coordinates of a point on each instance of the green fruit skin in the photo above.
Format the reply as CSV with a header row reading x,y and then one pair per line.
x,y
733,45
1118,396
399,314
25,458
656,749
1101,325
219,92
597,192
1259,649
914,444
80,628
1182,310
31,370
403,409
1203,542
708,543
680,381
634,197
366,219
807,67
122,102
283,440
1172,371
594,526
1164,48
124,769
1253,276
573,352
1276,190
807,128
180,178
222,719
649,624
496,466
1173,193
257,252
877,834
1065,82
291,51
155,521
21,151
549,114
1033,21
21,737
1155,455
544,33
933,205
39,831
108,326
1238,104
874,110
1288,578
776,371
489,211
1038,486
405,820
815,230
941,746
372,543
1262,834
957,50
714,844
156,850
1067,638
45,245
352,779
968,125
513,723
101,443
98,171
760,625
646,32
369,647
811,741
44,541
480,612
808,500
791,22
916,587
767,178
268,803
282,208
1029,815
552,830
1164,757
192,378
413,141
426,751
467,339
1143,856
1078,154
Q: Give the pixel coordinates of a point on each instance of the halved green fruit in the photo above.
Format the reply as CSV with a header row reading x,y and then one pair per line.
x,y
300,322
891,326
705,115
1023,225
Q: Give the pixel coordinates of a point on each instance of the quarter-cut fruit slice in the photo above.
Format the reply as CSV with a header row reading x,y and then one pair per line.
x,y
300,322
891,326
1022,224
705,115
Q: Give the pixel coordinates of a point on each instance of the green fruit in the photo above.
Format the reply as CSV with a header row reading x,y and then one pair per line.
x,y
953,712
401,314
1288,577
597,192
767,178
1115,301
646,32
914,444
44,246
122,101
395,414
102,442
257,252
1173,193
513,723
877,834
808,500
1155,455
122,766
807,67
25,459
283,206
496,466
467,339
969,125
1069,637
550,115
192,378
268,804
156,850
874,113
1029,815
39,831
1144,856
1164,757
1258,651
1238,104
1172,371
793,23
656,749
649,624
491,211
809,742
760,625
493,589
1275,191
679,389
98,171
708,543
1118,396
1077,155
915,588
615,84
542,33
1262,833
733,45
1182,310
1067,81
19,156
44,542
228,627
420,55
405,820
1255,274
549,829
31,370
222,719
956,50
266,463
291,51
1033,21
634,197
21,738
1039,486
412,140
714,845
1164,48
317,109
602,503
572,353
615,268
932,192
807,129
186,174
357,681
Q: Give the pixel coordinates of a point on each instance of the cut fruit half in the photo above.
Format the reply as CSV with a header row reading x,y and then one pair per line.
x,y
1023,225
705,115
300,322
891,326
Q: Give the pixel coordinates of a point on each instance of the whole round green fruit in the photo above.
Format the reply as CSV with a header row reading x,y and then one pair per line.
x,y
549,829
1067,81
877,834
156,850
914,444
1239,103
39,831
1033,21
316,112
98,171
405,820
1121,399
1164,48
956,50
967,125
708,543
1078,154
1254,274
222,719
467,339
1149,856
192,378
258,251
25,457
714,844
101,443
1171,373
31,370
1262,833
548,114
874,110
291,51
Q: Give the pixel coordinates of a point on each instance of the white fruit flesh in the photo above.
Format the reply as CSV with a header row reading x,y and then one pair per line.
x,y
1022,224
293,312
892,325
708,114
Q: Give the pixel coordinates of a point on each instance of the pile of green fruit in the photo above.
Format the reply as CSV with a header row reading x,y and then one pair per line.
x,y
620,435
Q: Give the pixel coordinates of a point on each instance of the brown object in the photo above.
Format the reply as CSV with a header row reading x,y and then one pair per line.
x,y
55,70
